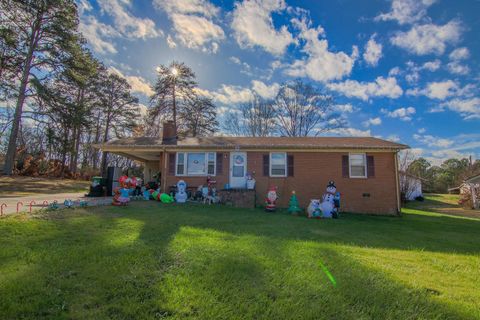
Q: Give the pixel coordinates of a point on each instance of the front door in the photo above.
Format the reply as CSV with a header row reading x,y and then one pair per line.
x,y
238,169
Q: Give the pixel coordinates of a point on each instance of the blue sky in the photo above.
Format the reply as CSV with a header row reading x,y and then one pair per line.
x,y
404,70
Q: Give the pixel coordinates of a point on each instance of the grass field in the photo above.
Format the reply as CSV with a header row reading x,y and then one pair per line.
x,y
149,261
26,186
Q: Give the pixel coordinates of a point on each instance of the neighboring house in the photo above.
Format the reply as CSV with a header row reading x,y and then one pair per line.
x,y
365,169
410,185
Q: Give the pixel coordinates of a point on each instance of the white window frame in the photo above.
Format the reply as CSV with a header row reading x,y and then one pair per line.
x,y
185,164
270,166
350,166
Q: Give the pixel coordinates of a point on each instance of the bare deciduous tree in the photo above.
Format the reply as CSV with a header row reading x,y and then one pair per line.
x,y
255,118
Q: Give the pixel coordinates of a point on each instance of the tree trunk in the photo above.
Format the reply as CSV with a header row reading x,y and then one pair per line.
x,y
73,165
103,166
12,141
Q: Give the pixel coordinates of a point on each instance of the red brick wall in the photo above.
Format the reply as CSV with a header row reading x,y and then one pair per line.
x,y
312,171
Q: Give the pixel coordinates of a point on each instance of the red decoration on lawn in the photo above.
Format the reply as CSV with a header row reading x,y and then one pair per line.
x,y
4,205
31,204
19,203
270,201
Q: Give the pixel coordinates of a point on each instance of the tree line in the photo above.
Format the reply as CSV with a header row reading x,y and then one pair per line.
x,y
61,100
439,178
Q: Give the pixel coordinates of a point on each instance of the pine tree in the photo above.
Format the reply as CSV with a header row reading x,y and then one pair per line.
x,y
44,30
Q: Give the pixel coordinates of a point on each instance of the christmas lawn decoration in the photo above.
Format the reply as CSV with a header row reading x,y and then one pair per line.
x,y
329,200
293,207
270,202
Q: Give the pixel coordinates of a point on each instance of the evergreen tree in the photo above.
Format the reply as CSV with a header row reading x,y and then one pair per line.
x,y
44,30
174,91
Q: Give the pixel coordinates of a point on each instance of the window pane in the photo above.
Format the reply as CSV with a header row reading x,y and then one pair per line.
x,y
357,171
211,163
238,171
181,158
278,171
180,168
278,159
180,163
278,164
357,160
196,163
211,168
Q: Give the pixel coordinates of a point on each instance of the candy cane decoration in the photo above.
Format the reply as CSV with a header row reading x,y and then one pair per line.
x,y
31,204
4,205
19,203
45,203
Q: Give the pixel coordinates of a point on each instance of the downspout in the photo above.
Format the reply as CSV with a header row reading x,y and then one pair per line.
x,y
164,171
397,186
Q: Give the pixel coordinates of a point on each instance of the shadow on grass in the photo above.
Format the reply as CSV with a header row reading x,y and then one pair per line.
x,y
154,261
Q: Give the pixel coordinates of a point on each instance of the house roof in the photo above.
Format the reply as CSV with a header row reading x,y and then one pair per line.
x,y
152,143
473,179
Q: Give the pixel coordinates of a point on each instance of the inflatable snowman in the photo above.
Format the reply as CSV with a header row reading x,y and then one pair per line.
x,y
181,195
329,199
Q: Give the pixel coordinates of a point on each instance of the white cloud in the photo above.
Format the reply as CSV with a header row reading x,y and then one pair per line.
x,y
442,89
428,38
231,94
351,132
228,94
459,54
431,65
84,6
372,122
393,138
196,32
265,91
200,7
373,52
127,24
344,108
381,87
320,64
171,43
193,24
404,114
432,141
98,35
406,11
421,130
394,72
413,74
138,84
253,25
456,56
468,108
457,68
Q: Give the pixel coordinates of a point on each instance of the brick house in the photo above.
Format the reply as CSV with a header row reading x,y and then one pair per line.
x,y
365,169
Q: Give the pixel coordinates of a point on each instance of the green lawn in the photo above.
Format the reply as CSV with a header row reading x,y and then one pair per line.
x,y
149,261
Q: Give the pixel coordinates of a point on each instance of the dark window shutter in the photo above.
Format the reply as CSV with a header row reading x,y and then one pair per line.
x,y
345,171
290,165
219,163
266,165
171,164
370,167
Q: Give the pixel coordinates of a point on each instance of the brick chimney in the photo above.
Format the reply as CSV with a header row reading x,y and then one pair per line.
x,y
169,135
